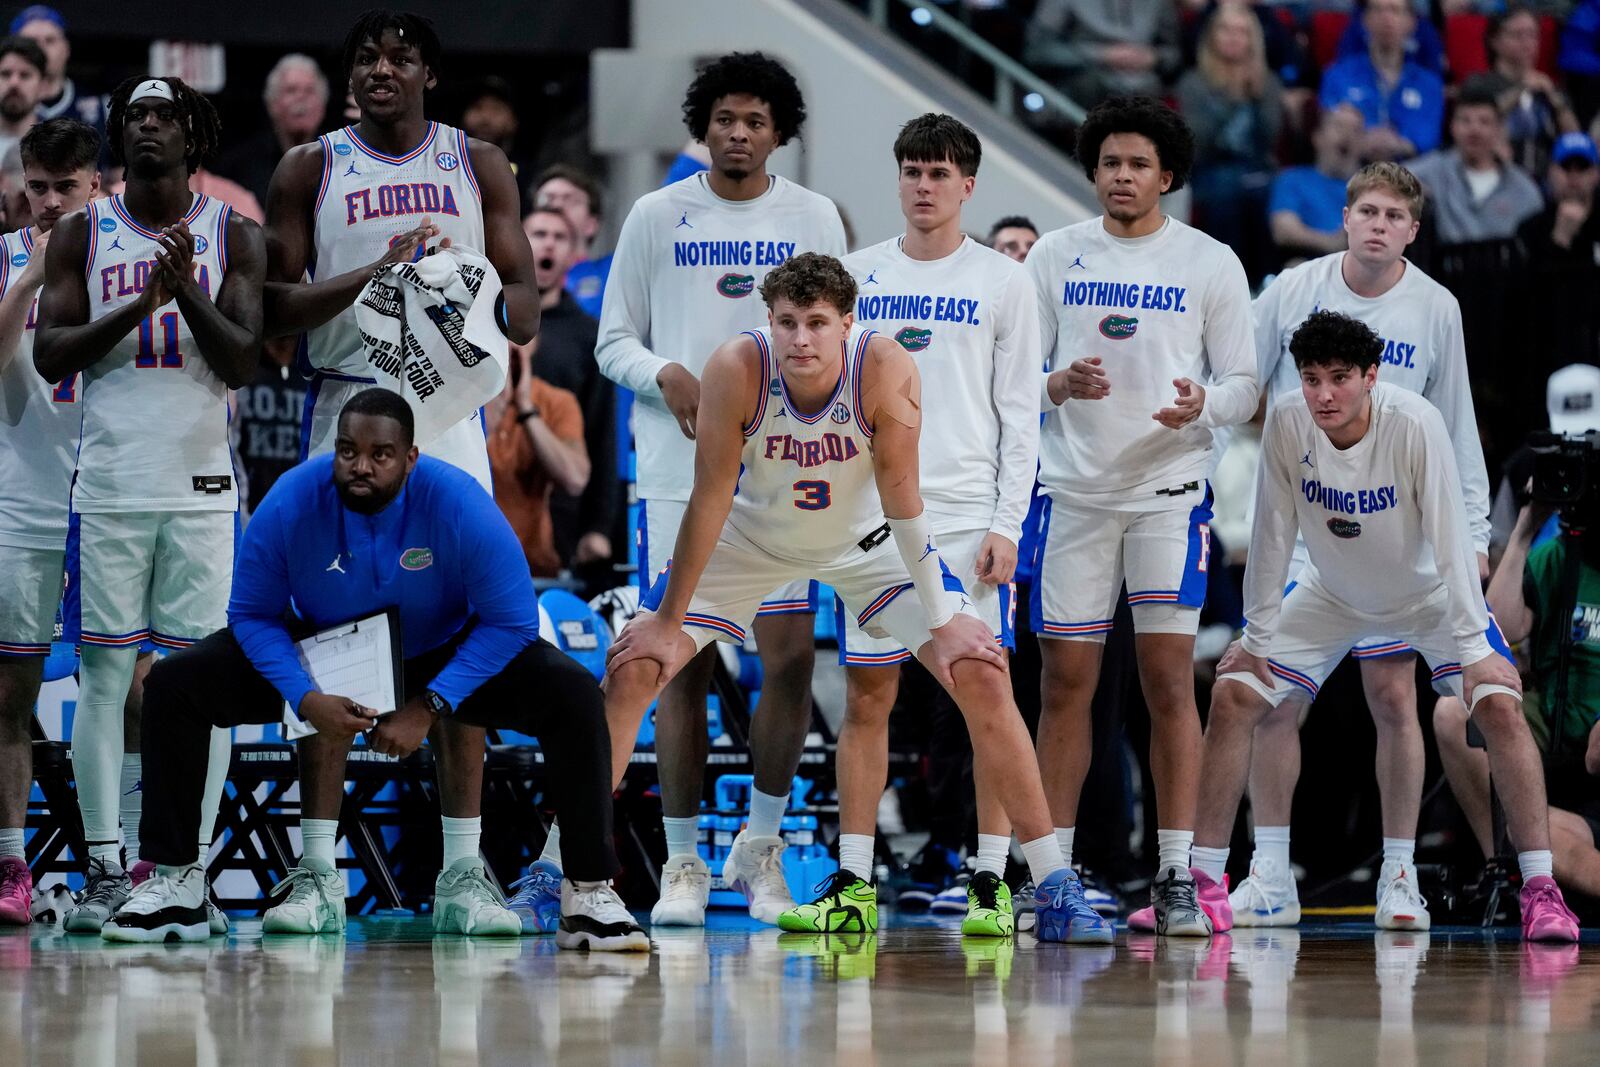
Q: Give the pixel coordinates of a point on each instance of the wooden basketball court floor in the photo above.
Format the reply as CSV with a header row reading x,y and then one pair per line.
x,y
916,993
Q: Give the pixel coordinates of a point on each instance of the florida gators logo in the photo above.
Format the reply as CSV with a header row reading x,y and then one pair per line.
x,y
1118,327
416,559
1344,528
913,338
735,286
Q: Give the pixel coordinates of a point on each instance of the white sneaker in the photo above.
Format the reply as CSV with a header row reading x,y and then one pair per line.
x,y
161,908
315,904
1400,903
1268,897
594,917
466,902
755,868
685,887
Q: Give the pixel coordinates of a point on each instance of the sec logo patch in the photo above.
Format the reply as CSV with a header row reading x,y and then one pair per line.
x,y
446,162
200,245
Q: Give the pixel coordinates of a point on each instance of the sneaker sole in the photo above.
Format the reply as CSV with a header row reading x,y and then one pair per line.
x,y
677,920
11,918
1288,915
493,928
583,940
269,926
1197,930
199,931
81,924
986,930
1413,923
1056,933
1552,937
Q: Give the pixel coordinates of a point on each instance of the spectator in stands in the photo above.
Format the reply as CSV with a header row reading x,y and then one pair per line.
x,y
1094,50
1286,53
1536,111
296,98
1579,58
583,522
1401,101
1014,236
1306,208
60,95
535,445
22,70
1423,46
1234,105
1473,193
577,195
491,115
1562,245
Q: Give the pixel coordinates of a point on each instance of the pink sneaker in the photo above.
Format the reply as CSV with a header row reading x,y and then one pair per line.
x,y
1213,897
140,871
16,892
1544,913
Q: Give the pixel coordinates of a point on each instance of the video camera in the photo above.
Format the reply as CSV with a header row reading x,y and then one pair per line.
x,y
1566,468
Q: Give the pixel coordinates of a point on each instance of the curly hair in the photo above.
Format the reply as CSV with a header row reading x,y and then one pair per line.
x,y
415,30
811,278
937,138
199,118
1147,117
1328,338
755,73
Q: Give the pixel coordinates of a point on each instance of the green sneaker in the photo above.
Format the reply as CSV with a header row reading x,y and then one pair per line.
x,y
988,907
847,905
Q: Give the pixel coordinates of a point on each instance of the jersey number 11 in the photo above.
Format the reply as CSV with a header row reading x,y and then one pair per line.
x,y
169,355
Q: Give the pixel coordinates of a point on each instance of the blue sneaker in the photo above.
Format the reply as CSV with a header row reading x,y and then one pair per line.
x,y
1062,914
537,898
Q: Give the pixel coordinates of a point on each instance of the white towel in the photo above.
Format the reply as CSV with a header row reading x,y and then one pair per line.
x,y
430,334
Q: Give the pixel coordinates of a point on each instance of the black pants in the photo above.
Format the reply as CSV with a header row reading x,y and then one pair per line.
x,y
541,692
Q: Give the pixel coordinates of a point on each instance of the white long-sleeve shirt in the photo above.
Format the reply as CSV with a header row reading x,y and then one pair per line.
x,y
1174,304
969,322
1383,521
1424,350
684,279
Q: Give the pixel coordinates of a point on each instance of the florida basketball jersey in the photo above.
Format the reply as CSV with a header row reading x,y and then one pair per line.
x,y
806,490
155,414
38,428
366,201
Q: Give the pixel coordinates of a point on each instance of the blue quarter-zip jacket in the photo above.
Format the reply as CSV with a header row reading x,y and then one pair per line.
x,y
441,552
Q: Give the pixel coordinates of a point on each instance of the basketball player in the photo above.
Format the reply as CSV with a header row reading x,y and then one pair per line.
x,y
687,266
1135,305
1366,473
154,296
350,204
967,316
38,444
806,467
1424,352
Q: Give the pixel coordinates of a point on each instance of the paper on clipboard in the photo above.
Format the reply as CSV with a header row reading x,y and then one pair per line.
x,y
354,659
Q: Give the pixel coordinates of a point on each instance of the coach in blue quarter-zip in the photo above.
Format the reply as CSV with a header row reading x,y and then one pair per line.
x,y
371,527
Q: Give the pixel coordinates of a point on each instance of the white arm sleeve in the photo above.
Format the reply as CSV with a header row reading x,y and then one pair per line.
x,y
1450,390
1444,525
621,351
1016,361
1272,540
1232,392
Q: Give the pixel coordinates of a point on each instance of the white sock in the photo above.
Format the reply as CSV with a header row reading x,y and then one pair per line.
x,y
316,840
1213,861
218,757
105,675
766,813
461,839
683,835
130,803
992,851
11,844
1044,857
1399,850
1064,836
1536,863
1172,849
855,855
552,845
1272,843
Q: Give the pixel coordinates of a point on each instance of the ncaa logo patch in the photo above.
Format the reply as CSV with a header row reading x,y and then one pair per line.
x,y
446,162
20,259
107,224
342,149
200,244
1344,528
841,414
416,559
1118,327
735,286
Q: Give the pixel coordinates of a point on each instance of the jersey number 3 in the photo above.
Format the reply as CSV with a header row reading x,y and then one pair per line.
x,y
814,496
169,355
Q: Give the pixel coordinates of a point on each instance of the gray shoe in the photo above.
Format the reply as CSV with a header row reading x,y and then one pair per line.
x,y
105,889
1177,907
216,920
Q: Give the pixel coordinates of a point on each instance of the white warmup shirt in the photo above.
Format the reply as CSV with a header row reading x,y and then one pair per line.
x,y
1424,351
970,324
684,279
38,429
155,415
1382,520
1171,305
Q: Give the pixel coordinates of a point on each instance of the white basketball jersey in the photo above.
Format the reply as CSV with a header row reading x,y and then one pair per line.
x,y
806,490
38,428
366,200
155,415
